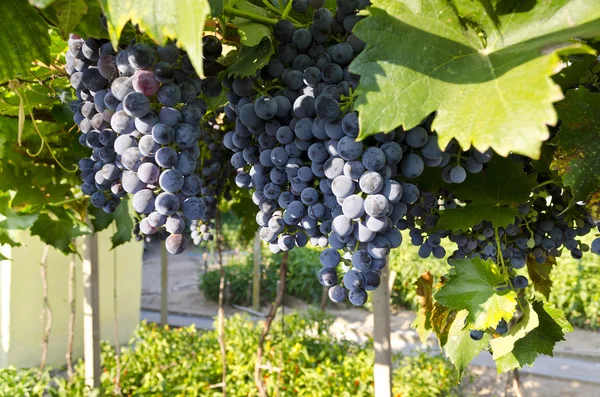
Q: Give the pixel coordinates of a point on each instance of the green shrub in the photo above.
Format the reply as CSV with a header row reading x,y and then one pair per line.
x,y
302,357
423,375
22,383
301,281
576,289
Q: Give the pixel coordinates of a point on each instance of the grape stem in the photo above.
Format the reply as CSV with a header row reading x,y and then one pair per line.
x,y
286,12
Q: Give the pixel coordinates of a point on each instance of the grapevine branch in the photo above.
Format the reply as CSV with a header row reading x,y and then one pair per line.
x,y
260,384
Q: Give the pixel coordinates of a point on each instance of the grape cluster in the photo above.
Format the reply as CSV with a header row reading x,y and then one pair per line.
x,y
215,172
139,111
295,145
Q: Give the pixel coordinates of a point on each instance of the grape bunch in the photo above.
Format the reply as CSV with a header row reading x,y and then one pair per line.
x,y
139,109
295,145
215,172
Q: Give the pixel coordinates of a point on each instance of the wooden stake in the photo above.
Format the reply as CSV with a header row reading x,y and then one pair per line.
x,y
47,310
72,308
164,285
256,272
91,312
221,312
260,384
381,336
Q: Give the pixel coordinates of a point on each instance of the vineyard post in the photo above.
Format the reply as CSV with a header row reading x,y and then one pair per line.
x,y
72,309
164,285
91,312
381,335
256,272
47,310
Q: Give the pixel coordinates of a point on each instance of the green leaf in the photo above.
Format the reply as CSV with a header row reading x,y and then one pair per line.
x,y
58,232
490,88
494,195
250,59
91,24
182,20
472,287
577,155
124,225
69,14
441,320
422,322
100,220
541,340
539,274
506,343
23,38
251,33
461,348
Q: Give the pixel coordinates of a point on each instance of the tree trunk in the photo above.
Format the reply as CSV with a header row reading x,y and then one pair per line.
x,y
260,384
47,310
256,272
91,312
381,336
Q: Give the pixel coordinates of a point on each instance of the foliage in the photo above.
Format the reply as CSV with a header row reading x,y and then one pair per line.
x,y
303,265
471,70
186,362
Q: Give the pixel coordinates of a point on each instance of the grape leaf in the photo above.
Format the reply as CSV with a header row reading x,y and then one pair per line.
x,y
441,320
161,20
539,274
472,287
505,344
91,24
461,348
250,59
488,78
69,14
540,340
558,316
422,322
577,155
23,38
124,225
251,33
494,195
100,220
58,231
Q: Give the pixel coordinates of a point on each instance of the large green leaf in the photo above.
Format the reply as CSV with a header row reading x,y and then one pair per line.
x,y
91,24
461,348
161,20
249,59
23,38
251,33
472,286
494,195
41,3
486,71
540,340
59,231
69,14
577,155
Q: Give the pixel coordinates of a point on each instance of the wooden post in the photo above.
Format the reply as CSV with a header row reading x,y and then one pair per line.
x,y
164,285
381,336
91,312
256,272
